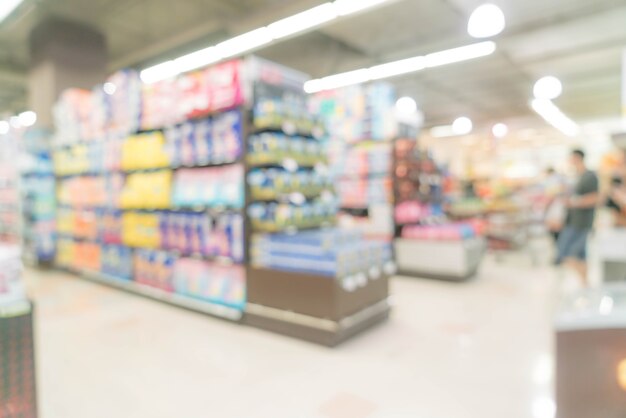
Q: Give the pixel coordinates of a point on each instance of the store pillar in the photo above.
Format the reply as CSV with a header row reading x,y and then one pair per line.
x,y
63,55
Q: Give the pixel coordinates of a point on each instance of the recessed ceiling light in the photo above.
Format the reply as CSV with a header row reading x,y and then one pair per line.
x,y
15,122
109,88
462,126
500,130
486,21
548,87
406,105
28,118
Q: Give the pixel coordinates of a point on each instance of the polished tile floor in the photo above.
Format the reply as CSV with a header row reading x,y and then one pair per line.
x,y
480,349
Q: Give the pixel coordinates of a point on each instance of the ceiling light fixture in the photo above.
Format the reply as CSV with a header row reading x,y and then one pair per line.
x,y
15,122
4,127
28,118
303,21
257,38
197,59
109,88
405,66
553,115
245,42
548,87
7,7
462,125
500,130
406,105
485,21
443,131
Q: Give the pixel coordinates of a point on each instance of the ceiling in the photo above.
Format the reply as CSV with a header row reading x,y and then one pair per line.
x,y
579,41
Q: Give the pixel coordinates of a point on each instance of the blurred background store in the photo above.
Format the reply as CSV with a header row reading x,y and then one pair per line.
x,y
354,208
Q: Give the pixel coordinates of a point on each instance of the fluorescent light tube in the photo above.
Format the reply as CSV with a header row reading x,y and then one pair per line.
x,y
197,59
462,53
245,42
404,66
7,7
395,68
302,21
443,131
337,80
553,115
159,72
346,7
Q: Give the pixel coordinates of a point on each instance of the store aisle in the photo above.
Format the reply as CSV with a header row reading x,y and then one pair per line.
x,y
478,349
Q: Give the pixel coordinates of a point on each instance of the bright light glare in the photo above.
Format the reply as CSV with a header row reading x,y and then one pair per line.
x,y
395,68
294,24
303,21
4,127
548,88
28,118
346,7
197,59
159,72
500,130
486,21
621,374
544,408
244,42
553,115
606,305
109,88
7,7
399,67
462,126
443,131
406,105
15,122
462,53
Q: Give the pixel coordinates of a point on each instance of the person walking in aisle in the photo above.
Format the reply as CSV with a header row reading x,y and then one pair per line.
x,y
581,209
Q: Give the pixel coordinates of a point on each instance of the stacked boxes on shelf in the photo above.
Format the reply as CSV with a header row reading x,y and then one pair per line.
x,y
137,205
361,124
303,272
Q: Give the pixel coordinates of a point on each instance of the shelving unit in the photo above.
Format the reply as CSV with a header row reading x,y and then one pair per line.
x,y
296,284
130,207
427,243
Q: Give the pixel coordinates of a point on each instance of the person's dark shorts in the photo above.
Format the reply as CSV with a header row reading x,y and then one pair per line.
x,y
572,244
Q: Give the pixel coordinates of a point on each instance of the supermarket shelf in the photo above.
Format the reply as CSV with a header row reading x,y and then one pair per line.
x,y
96,173
205,307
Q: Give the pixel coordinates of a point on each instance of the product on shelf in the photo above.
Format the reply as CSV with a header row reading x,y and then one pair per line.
x,y
276,148
79,255
151,190
215,283
154,269
451,231
276,108
335,253
141,230
90,191
111,226
117,261
145,151
200,234
277,183
276,217
209,187
361,193
124,102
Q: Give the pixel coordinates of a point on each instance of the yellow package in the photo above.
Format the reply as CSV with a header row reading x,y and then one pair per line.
x,y
145,151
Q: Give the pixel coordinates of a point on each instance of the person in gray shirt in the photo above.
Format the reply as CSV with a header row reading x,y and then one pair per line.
x,y
581,209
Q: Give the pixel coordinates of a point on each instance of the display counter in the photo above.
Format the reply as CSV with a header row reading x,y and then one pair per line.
x,y
591,354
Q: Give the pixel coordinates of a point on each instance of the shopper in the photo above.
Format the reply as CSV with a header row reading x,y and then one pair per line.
x,y
581,209
555,211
